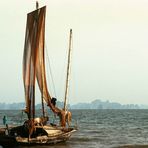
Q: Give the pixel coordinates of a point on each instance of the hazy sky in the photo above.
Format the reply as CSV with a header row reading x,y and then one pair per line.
x,y
110,48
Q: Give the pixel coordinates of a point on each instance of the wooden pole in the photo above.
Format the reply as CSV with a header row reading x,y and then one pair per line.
x,y
43,109
68,70
37,5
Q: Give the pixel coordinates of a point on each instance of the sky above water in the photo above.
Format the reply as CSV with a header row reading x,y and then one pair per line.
x,y
109,52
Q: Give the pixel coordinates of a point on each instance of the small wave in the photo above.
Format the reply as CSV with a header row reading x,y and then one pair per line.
x,y
132,146
84,139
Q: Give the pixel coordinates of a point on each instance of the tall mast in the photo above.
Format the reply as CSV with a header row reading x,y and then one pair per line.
x,y
68,70
42,99
37,5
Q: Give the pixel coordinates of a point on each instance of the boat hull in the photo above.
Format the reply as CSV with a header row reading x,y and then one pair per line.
x,y
54,135
7,141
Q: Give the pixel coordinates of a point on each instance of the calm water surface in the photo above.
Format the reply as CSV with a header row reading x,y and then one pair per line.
x,y
99,128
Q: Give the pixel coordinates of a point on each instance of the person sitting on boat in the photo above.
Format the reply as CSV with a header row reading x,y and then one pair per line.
x,y
65,117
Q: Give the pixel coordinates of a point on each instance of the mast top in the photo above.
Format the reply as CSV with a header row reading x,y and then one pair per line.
x,y
37,4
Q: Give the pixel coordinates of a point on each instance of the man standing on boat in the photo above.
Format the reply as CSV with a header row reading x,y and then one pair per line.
x,y
4,120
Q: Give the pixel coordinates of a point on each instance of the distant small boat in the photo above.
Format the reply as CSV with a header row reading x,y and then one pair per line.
x,y
36,130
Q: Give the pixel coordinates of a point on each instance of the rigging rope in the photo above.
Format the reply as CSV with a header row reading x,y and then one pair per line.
x,y
50,72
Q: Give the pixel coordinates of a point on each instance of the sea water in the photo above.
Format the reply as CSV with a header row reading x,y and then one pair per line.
x,y
98,128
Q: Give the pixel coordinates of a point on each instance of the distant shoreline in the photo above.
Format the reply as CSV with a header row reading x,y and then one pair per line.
x,y
96,104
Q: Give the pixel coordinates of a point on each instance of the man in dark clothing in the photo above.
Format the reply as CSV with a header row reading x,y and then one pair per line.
x,y
53,101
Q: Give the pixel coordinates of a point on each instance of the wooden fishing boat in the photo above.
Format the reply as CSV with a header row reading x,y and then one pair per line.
x,y
43,135
36,130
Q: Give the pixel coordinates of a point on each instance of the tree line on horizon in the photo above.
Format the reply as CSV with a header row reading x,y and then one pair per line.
x,y
96,104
